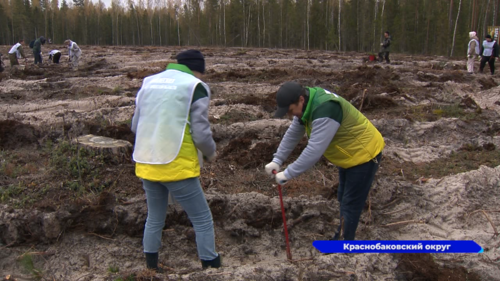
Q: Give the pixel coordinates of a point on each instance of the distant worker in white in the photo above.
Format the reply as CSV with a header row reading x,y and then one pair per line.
x,y
473,52
54,56
489,51
16,52
74,53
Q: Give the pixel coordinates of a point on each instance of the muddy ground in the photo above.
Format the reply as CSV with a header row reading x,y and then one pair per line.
x,y
68,213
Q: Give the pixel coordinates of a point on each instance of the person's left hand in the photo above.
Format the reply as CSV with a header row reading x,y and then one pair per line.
x,y
381,44
281,178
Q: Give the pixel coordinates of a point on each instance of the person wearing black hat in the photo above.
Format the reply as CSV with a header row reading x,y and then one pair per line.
x,y
489,51
171,125
37,49
337,131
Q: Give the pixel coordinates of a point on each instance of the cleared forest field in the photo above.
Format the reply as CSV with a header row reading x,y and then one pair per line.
x,y
71,214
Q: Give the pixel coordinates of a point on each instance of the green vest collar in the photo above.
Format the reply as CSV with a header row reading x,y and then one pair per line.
x,y
307,112
179,67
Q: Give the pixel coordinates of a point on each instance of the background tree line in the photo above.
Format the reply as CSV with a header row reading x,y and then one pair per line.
x,y
438,27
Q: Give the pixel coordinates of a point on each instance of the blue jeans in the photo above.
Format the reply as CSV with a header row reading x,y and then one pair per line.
x,y
190,196
354,186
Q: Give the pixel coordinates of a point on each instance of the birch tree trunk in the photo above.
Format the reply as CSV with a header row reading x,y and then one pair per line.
x,y
258,23
497,8
307,23
178,28
455,32
340,10
486,16
224,13
450,16
382,18
375,26
263,24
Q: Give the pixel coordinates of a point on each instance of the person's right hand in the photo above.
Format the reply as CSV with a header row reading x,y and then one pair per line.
x,y
211,158
272,166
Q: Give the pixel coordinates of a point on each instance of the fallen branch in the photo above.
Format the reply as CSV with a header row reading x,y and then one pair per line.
x,y
308,259
323,176
37,254
439,182
116,180
222,273
345,272
403,222
300,219
492,225
103,237
369,209
390,203
393,212
362,99
85,275
8,245
232,211
482,210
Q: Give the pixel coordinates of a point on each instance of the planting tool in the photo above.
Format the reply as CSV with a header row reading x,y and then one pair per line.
x,y
288,252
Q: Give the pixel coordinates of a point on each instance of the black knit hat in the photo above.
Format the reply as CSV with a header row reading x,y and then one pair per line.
x,y
488,36
193,59
288,94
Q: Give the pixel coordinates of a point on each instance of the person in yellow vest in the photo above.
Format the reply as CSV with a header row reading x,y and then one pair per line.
x,y
336,130
171,124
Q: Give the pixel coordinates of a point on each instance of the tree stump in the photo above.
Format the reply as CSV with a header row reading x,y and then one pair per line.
x,y
113,150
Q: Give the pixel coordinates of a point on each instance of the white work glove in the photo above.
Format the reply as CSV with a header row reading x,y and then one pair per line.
x,y
211,158
272,166
381,44
281,178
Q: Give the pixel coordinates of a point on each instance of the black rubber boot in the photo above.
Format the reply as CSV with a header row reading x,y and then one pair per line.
x,y
215,263
152,262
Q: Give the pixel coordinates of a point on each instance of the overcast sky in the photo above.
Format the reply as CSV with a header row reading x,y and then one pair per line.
x,y
106,2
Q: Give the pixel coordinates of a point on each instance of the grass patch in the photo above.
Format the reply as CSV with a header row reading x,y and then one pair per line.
x,y
78,167
10,191
429,113
28,265
469,158
113,269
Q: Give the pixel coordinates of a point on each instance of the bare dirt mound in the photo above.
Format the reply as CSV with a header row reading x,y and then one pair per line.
x,y
424,267
14,134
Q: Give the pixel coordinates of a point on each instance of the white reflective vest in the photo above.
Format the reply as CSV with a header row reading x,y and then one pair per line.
x,y
53,52
488,48
164,103
478,51
14,49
